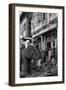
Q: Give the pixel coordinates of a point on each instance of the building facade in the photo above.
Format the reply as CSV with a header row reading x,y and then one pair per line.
x,y
44,30
42,27
25,24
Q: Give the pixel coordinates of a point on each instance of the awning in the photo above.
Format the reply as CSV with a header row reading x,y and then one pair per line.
x,y
26,38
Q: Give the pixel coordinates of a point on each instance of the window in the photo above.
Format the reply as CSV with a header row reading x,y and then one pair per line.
x,y
44,16
48,44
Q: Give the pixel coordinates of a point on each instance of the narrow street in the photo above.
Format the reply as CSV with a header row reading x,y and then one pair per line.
x,y
38,41
44,71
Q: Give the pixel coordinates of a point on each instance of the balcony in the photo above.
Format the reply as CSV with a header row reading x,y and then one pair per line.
x,y
39,25
44,23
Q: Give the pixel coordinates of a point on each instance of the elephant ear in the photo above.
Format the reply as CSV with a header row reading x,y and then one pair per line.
x,y
31,52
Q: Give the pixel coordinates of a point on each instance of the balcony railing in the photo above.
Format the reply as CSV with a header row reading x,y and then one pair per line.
x,y
44,22
41,24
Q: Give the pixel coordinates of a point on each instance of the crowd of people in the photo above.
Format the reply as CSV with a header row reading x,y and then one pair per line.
x,y
32,58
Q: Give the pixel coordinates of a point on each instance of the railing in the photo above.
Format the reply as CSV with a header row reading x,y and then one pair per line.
x,y
44,22
41,24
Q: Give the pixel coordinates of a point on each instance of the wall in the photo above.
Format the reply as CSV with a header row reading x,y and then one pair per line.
x,y
4,45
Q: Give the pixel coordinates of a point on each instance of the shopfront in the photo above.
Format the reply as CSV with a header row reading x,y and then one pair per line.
x,y
47,42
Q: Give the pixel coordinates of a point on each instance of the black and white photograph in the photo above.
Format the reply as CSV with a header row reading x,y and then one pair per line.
x,y
38,44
